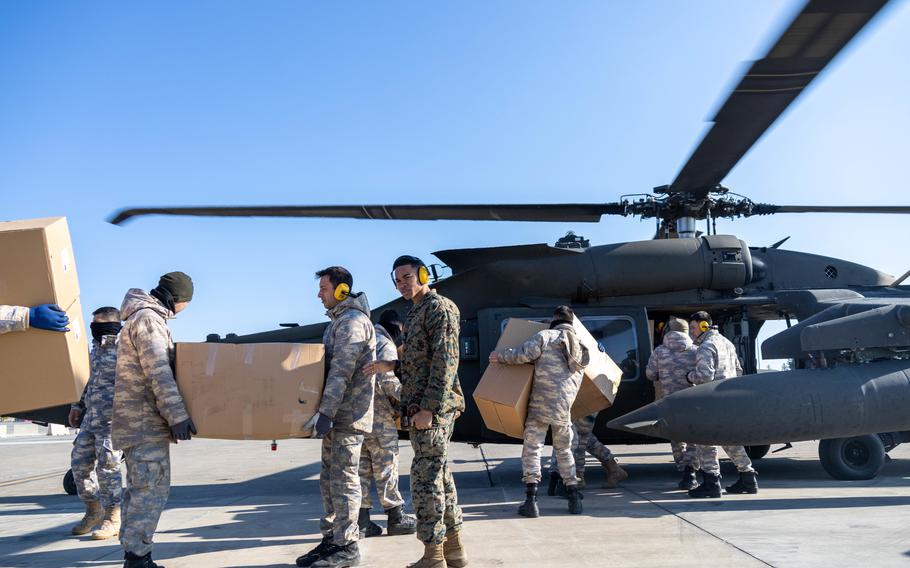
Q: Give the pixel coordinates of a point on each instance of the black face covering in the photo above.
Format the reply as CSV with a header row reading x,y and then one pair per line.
x,y
164,296
554,323
100,329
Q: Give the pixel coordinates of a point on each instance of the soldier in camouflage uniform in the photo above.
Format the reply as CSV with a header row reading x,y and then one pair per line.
x,y
345,414
431,400
44,316
559,360
379,456
585,442
716,359
95,463
669,366
149,412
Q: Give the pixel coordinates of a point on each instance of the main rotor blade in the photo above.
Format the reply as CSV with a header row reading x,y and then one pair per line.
x,y
556,212
811,41
766,209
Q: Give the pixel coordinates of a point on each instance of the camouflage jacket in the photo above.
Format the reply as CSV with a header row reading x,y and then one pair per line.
x,y
559,361
388,388
715,359
97,400
146,399
429,356
671,362
350,343
13,318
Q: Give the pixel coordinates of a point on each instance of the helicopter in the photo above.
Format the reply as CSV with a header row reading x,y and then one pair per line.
x,y
612,287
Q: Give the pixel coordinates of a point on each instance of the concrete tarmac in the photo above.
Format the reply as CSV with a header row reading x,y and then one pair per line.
x,y
240,504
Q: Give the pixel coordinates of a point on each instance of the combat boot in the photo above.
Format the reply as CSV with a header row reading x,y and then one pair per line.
x,y
134,561
710,487
529,507
580,475
93,515
747,483
110,526
399,522
312,556
339,556
553,482
688,480
575,498
615,474
453,550
367,527
433,557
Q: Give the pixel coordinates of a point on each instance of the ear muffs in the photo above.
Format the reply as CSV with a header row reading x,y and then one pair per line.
x,y
423,275
704,326
342,291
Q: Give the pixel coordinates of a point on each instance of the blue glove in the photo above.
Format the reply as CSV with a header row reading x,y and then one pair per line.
x,y
48,316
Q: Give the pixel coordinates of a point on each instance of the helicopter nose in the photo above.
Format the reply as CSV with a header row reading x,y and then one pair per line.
x,y
647,420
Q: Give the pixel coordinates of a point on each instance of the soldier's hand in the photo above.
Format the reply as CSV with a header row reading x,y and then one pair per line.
x,y
422,420
183,430
494,357
376,367
75,418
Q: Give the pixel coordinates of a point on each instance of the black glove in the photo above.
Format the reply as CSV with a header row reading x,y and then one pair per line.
x,y
183,430
323,425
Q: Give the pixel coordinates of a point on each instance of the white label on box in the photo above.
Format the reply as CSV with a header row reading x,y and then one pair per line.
x,y
65,259
77,329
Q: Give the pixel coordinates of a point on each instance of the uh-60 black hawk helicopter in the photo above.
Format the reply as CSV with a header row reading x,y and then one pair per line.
x,y
851,384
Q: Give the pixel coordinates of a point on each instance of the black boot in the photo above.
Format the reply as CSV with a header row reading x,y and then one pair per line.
x,y
688,480
554,481
575,498
133,561
367,527
747,484
529,507
339,556
312,556
400,523
710,487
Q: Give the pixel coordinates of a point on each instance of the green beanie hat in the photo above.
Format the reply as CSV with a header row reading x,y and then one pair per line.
x,y
178,284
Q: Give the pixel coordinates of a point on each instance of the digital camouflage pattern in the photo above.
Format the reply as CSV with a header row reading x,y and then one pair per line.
x,y
584,441
707,457
339,485
685,455
432,486
387,398
13,318
350,343
429,361
146,399
559,360
534,437
148,483
671,362
97,401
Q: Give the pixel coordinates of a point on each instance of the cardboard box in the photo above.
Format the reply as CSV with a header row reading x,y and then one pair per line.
x,y
41,368
503,391
254,391
601,377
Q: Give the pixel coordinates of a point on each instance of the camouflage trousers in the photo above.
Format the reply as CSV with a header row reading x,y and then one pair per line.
x,y
379,463
96,469
339,485
685,455
432,487
534,438
148,483
707,457
583,441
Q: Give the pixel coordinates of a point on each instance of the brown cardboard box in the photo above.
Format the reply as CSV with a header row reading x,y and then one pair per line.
x,y
503,391
601,378
254,391
40,368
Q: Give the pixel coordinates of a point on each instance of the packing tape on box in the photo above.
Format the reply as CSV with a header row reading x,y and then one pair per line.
x,y
210,363
296,420
246,422
248,354
295,357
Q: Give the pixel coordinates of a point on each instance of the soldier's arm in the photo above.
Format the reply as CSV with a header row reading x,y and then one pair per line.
x,y
652,371
442,331
391,387
388,383
351,338
527,352
13,318
151,340
705,364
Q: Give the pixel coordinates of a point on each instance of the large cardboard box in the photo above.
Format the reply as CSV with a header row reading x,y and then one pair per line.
x,y
40,368
254,391
601,378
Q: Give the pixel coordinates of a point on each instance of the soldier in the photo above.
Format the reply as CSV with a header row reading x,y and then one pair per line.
x,y
149,412
379,457
669,366
559,360
345,414
95,464
584,441
431,400
716,359
44,316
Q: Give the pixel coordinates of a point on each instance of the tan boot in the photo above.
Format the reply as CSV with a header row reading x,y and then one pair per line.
x,y
110,526
432,557
93,516
615,474
453,550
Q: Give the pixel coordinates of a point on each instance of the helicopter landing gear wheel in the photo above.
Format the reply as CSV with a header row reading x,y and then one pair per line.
x,y
69,483
757,452
856,458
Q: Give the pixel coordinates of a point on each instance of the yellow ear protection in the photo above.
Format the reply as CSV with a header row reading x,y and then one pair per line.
x,y
423,275
704,326
342,291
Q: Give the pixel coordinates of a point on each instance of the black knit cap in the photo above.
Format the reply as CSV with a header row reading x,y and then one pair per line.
x,y
178,284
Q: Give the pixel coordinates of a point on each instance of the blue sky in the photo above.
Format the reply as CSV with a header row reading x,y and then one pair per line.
x,y
108,105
